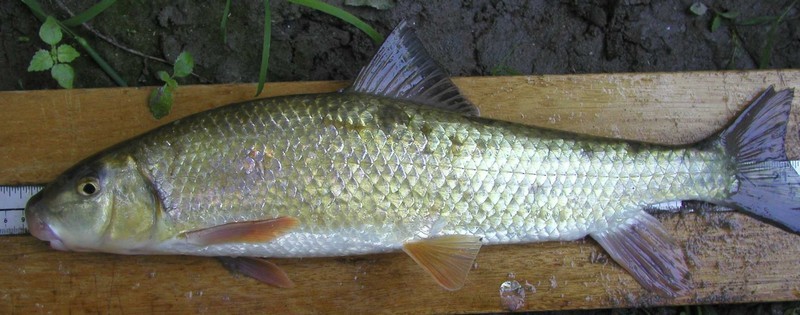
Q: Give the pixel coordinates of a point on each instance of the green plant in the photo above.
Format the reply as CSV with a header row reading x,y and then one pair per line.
x,y
313,4
93,11
766,50
160,101
56,59
502,68
731,18
700,9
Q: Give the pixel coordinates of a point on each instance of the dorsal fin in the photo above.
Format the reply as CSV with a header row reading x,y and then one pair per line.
x,y
403,69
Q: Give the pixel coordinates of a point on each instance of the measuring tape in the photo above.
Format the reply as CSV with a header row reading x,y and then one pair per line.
x,y
12,206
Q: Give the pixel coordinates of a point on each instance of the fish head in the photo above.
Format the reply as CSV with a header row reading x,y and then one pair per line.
x,y
105,204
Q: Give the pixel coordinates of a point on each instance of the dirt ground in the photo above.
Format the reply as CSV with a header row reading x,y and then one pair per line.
x,y
469,38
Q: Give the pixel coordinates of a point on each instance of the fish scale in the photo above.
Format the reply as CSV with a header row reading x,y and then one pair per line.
x,y
352,176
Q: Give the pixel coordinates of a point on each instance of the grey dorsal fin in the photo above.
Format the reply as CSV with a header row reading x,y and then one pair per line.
x,y
403,69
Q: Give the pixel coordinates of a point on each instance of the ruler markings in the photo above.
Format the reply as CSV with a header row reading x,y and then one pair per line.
x,y
12,208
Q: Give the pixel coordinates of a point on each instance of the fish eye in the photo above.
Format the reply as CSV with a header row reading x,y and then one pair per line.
x,y
88,186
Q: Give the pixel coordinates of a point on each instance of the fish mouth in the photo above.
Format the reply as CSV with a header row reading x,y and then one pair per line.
x,y
43,232
38,228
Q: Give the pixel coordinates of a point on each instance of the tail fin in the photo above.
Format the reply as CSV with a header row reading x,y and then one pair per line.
x,y
769,187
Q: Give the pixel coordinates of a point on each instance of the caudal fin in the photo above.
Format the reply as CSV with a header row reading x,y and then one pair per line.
x,y
768,185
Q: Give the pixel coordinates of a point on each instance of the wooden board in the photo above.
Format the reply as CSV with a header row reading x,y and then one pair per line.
x,y
733,258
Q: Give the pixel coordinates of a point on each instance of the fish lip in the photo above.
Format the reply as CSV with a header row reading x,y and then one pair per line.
x,y
44,232
39,229
57,244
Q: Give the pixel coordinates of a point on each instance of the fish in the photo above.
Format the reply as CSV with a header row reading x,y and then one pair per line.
x,y
402,161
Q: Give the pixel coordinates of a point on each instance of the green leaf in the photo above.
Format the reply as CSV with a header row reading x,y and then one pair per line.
x,y
342,15
67,53
172,84
50,32
41,61
160,102
183,65
716,23
64,74
223,25
698,8
164,76
89,13
729,15
262,73
758,20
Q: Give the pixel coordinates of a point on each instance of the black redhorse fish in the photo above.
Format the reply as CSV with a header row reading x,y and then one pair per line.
x,y
400,161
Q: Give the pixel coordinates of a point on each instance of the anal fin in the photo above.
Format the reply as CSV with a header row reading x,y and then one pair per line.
x,y
241,232
447,258
259,269
648,253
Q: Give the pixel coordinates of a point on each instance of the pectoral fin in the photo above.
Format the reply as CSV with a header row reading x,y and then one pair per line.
x,y
242,232
649,254
447,258
259,269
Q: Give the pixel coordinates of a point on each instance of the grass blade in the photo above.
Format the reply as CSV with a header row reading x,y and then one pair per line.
x,y
766,52
729,15
36,8
100,61
757,20
223,25
343,15
89,13
262,74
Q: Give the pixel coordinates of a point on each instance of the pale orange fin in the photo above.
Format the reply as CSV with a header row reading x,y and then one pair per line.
x,y
242,232
447,258
259,269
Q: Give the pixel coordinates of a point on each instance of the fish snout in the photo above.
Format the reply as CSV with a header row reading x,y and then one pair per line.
x,y
38,227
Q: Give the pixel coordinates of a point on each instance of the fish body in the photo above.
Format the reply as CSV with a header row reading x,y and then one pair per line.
x,y
375,172
401,162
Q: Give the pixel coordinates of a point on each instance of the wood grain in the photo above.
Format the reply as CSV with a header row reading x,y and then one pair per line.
x,y
733,258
